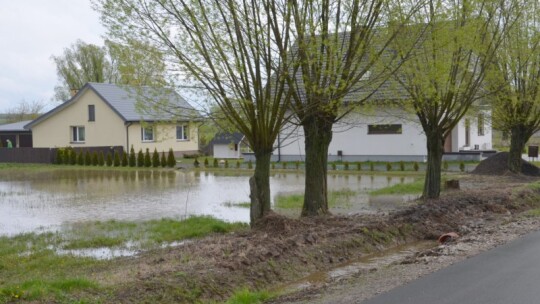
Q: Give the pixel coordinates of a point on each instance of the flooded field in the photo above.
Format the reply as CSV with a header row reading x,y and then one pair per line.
x,y
48,199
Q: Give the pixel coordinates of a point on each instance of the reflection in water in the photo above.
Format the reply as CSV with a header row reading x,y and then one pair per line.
x,y
30,200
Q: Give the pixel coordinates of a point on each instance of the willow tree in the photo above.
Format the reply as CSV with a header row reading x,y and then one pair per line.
x,y
516,81
445,75
229,48
338,44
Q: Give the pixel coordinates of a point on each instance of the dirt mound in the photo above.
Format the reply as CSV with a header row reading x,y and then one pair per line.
x,y
498,165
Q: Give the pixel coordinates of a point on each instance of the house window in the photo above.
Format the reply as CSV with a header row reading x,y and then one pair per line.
x,y
91,113
480,124
77,134
467,132
182,132
147,134
384,129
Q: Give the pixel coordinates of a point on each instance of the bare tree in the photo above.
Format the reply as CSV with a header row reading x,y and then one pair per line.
x,y
516,80
338,45
445,75
229,47
25,110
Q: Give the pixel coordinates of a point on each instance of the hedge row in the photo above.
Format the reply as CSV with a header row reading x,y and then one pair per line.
x,y
68,156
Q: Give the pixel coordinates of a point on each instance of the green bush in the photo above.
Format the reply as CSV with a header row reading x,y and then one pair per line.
x,y
95,160
171,160
297,165
273,166
346,166
109,159
462,166
116,159
124,159
80,158
371,166
73,157
445,165
237,164
388,167
401,166
250,164
284,165
416,166
206,162
216,163
147,159
196,163
334,166
59,156
359,166
163,160
155,159
226,163
140,158
132,159
87,158
101,158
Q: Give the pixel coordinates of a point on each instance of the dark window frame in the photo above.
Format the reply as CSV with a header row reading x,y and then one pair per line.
x,y
385,129
91,113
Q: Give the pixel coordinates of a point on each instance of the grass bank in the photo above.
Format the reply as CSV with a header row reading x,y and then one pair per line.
x,y
32,268
340,198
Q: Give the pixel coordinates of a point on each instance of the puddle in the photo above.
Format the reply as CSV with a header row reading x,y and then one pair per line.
x,y
103,253
358,266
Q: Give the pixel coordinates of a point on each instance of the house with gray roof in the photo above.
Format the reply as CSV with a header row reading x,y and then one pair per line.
x,y
16,133
228,145
101,114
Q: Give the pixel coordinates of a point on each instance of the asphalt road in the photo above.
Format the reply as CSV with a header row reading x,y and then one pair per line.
x,y
509,274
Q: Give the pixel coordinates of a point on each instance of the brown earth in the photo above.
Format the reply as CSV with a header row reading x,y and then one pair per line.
x,y
280,250
498,165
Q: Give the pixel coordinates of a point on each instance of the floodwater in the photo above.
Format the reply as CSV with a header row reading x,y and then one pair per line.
x,y
45,200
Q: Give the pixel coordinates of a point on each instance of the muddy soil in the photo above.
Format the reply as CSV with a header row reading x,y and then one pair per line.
x,y
282,250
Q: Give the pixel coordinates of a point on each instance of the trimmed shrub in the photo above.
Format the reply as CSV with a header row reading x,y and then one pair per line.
x,y
155,159
284,165
163,160
124,159
72,157
371,166
95,157
273,166
401,166
359,166
388,167
116,159
416,166
206,162
226,163
250,164
297,165
216,163
462,166
109,159
171,160
132,159
334,166
140,158
237,164
196,163
346,166
445,165
101,159
147,159
87,158
59,156
80,158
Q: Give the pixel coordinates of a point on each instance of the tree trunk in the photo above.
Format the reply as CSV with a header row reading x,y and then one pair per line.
x,y
259,185
518,139
318,134
435,148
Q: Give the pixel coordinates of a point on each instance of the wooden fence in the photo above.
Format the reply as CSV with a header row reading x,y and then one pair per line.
x,y
46,155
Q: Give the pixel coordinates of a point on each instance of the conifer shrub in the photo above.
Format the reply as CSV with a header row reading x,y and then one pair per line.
x,y
87,158
226,163
72,156
171,160
237,164
109,159
416,167
250,164
284,165
116,159
273,166
401,166
297,164
95,157
371,166
101,159
346,166
359,166
334,166
445,165
163,160
132,158
140,158
124,159
216,163
155,159
388,167
206,162
196,163
147,159
59,156
462,166
80,158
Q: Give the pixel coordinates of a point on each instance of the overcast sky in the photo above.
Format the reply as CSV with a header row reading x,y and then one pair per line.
x,y
31,31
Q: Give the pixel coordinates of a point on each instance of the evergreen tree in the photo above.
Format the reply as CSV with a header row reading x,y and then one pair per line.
x,y
171,160
72,157
95,158
140,158
116,159
155,159
101,158
80,158
124,159
132,160
206,162
196,163
163,160
109,159
215,164
59,156
147,159
87,158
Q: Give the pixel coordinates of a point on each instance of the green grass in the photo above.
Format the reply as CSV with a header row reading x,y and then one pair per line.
x,y
533,213
340,198
31,269
408,188
240,205
244,296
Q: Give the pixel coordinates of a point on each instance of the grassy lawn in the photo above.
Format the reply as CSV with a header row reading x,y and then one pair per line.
x,y
32,269
397,189
340,198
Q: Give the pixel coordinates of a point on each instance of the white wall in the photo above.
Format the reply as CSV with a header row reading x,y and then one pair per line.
x,y
484,142
225,151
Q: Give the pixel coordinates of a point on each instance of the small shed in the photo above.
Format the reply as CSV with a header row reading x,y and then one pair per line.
x,y
227,145
17,134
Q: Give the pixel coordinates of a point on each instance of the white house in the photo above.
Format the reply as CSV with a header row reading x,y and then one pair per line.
x,y
227,145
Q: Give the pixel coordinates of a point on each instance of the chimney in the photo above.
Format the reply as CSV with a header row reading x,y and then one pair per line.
x,y
73,92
